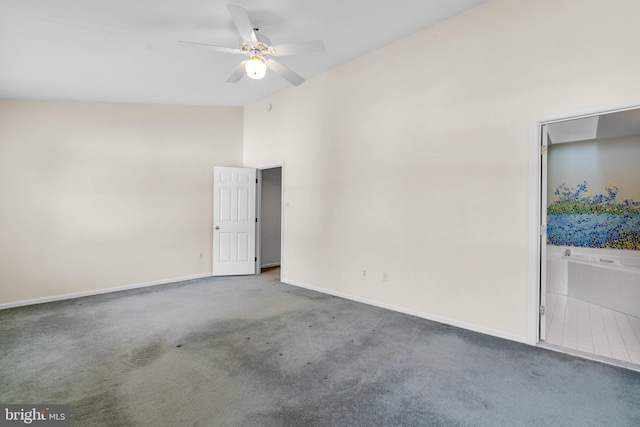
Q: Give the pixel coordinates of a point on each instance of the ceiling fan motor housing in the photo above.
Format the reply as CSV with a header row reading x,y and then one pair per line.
x,y
262,45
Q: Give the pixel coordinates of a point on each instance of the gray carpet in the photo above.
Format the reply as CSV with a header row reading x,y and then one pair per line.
x,y
249,351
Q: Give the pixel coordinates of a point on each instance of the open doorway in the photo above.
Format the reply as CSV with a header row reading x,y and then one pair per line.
x,y
589,250
269,227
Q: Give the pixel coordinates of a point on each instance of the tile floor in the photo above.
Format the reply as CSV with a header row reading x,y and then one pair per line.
x,y
578,325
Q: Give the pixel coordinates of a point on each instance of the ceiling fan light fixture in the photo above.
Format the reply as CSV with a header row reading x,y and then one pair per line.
x,y
256,47
256,67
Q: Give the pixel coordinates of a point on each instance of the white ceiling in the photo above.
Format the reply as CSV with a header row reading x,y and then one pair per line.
x,y
604,126
126,51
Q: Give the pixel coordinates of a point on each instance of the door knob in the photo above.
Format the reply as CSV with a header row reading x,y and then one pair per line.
x,y
217,228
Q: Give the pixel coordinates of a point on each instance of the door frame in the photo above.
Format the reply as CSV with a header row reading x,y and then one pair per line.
x,y
537,265
259,170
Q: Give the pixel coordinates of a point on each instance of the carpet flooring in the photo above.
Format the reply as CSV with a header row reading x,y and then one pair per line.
x,y
252,351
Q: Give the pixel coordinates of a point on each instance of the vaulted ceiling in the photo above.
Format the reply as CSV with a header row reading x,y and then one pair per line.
x,y
126,50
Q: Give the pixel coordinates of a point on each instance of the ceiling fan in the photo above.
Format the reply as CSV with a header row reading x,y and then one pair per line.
x,y
258,49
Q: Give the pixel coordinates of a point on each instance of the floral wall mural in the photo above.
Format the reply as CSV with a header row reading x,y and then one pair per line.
x,y
598,221
578,215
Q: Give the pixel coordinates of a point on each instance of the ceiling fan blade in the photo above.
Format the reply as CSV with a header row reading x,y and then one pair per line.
x,y
295,48
238,73
285,72
222,49
243,23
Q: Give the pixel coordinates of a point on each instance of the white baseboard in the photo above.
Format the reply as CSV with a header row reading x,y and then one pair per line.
x,y
439,319
273,264
100,291
458,324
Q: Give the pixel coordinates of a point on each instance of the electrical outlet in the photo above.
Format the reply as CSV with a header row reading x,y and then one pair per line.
x,y
364,274
384,277
201,256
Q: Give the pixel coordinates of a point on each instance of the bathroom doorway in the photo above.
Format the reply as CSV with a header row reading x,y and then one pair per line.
x,y
590,236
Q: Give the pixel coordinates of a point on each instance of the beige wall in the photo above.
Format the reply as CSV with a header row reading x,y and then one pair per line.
x,y
95,195
414,159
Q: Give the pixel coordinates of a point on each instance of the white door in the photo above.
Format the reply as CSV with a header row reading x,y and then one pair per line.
x,y
234,221
544,145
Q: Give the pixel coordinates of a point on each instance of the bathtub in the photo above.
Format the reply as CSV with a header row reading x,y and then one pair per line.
x,y
606,277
